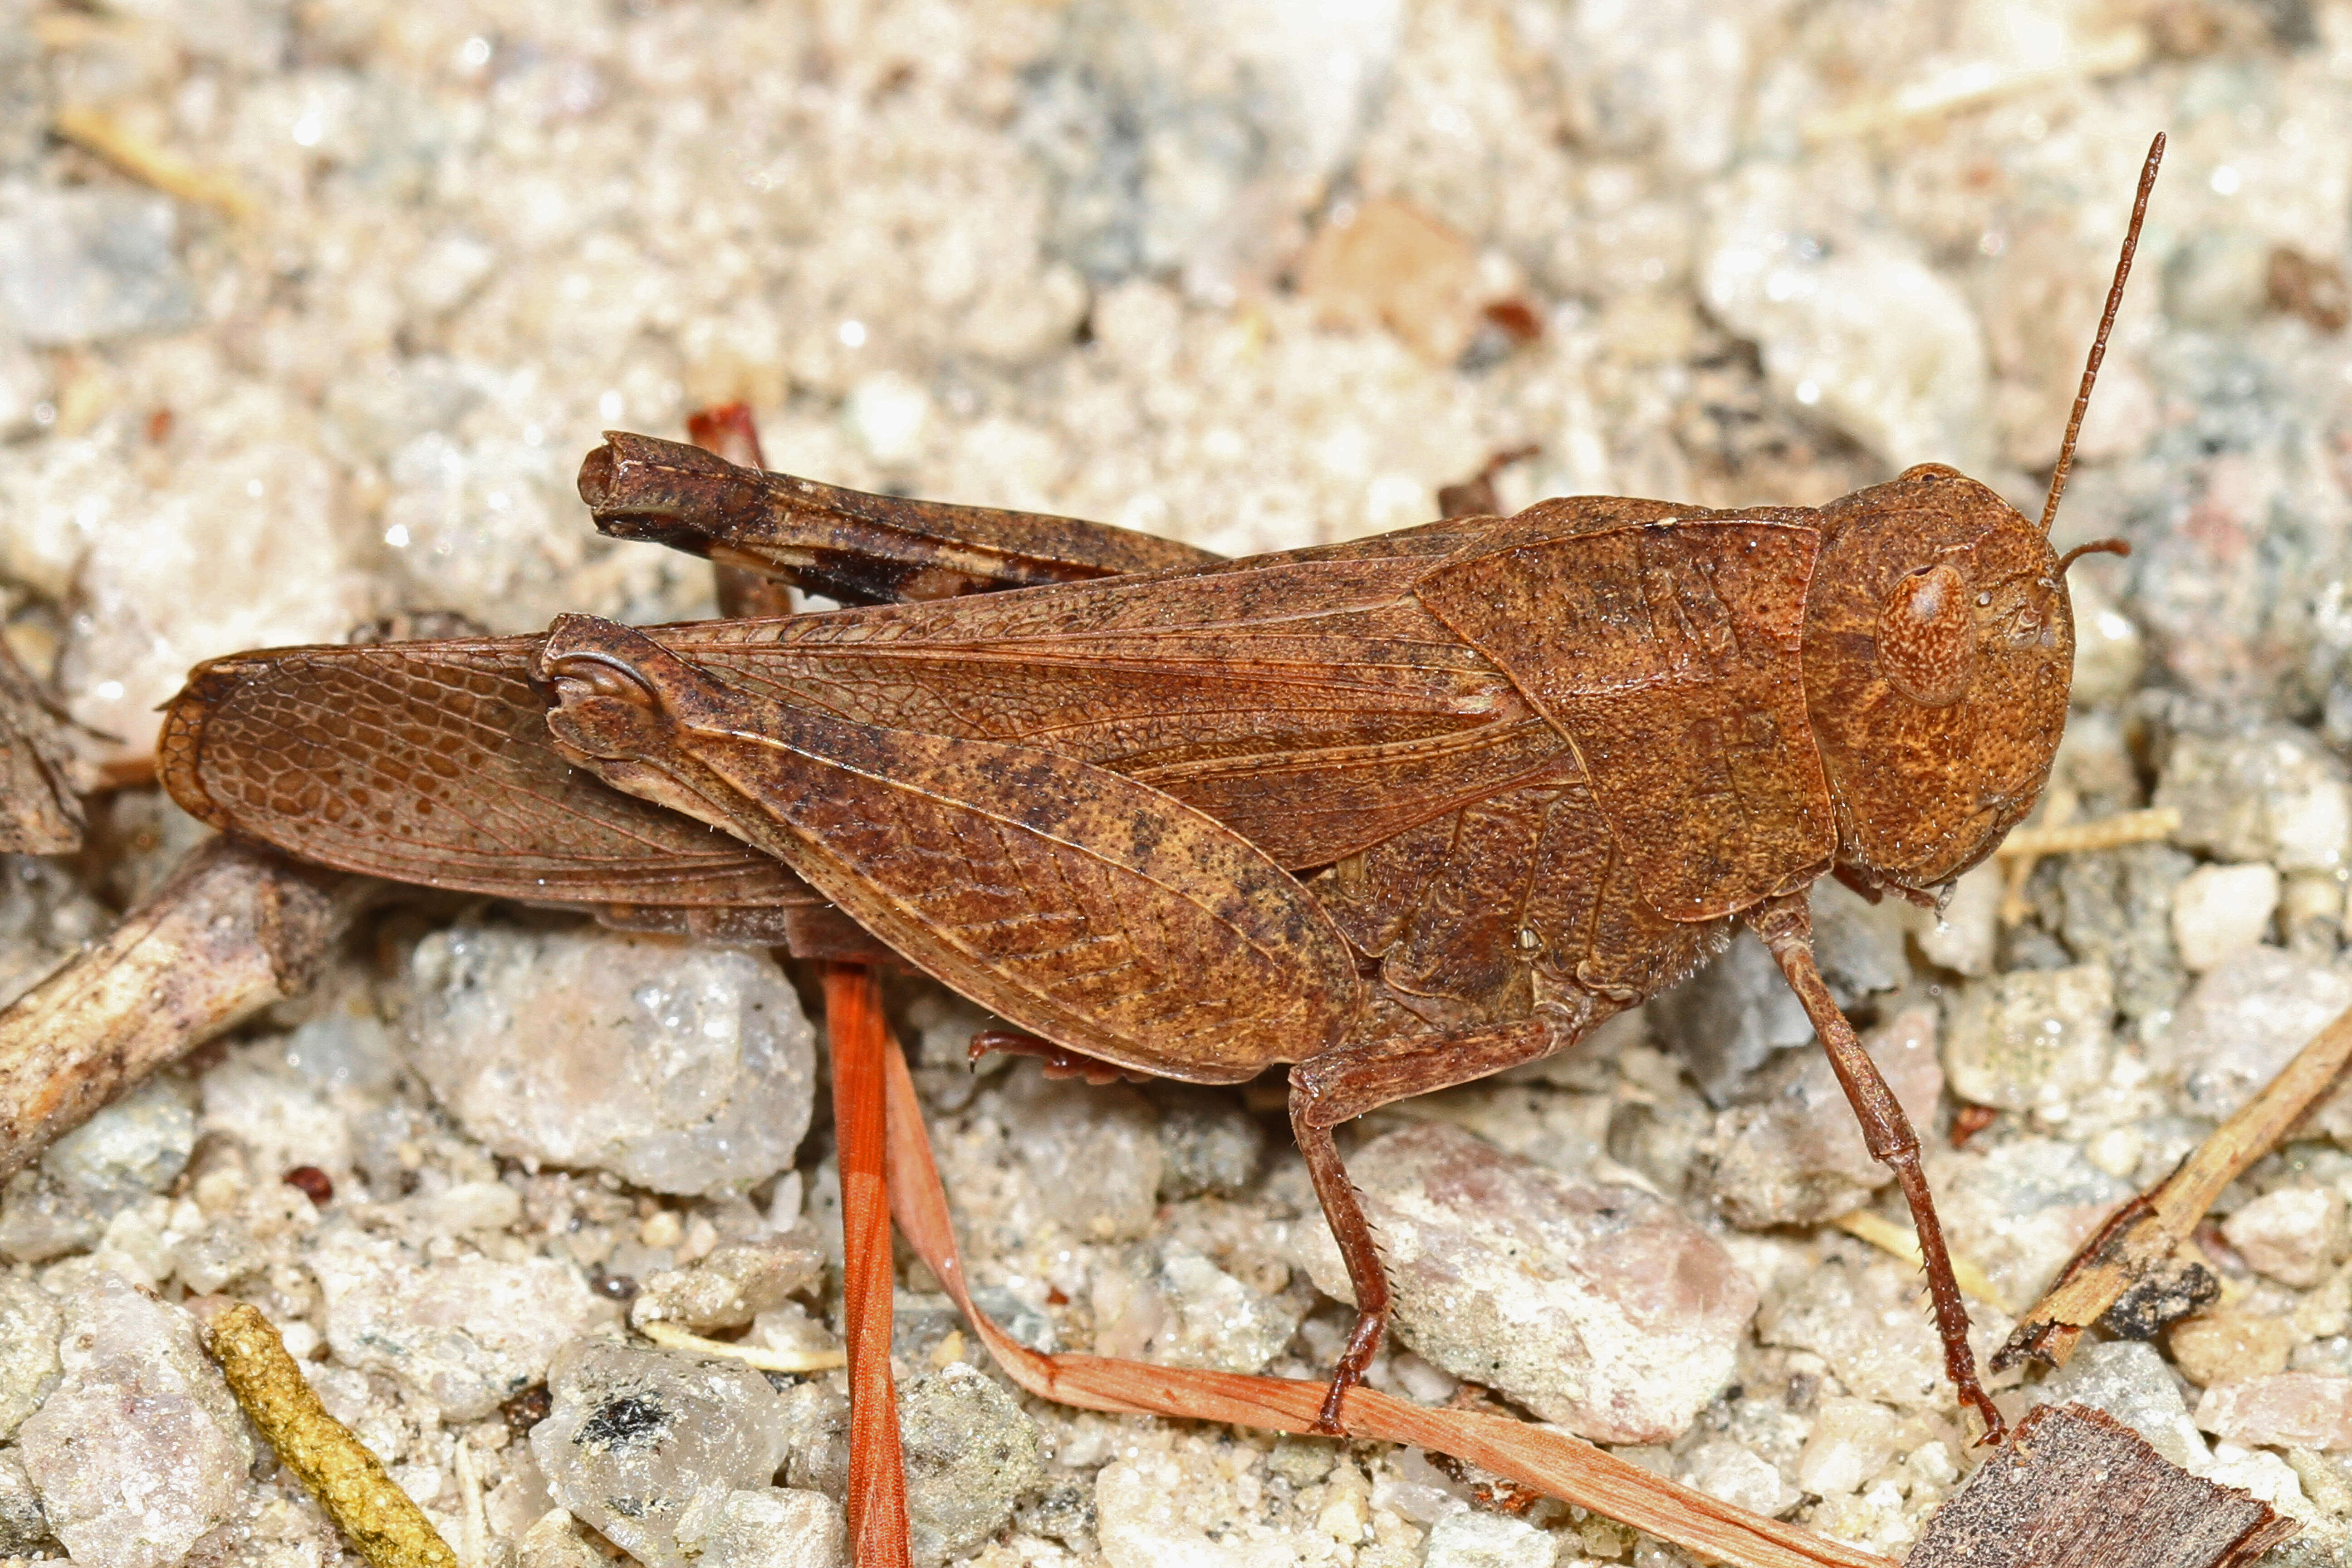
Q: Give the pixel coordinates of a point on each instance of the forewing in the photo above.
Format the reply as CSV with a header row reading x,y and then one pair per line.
x,y
1087,907
429,762
1670,652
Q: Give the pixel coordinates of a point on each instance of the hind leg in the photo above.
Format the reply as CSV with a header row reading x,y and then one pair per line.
x,y
1347,1080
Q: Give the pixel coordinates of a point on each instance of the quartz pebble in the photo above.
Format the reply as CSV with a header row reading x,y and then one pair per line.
x,y
2272,796
1728,1019
2227,1346
972,1453
2129,1380
1850,1442
30,1322
1388,262
2031,1039
732,1287
1870,1325
134,1493
764,1527
137,1145
634,1437
22,1525
78,265
1797,1156
2292,1235
1474,1540
682,1068
2218,911
2287,1410
1598,1307
1092,1156
468,1332
2243,1022
1734,1473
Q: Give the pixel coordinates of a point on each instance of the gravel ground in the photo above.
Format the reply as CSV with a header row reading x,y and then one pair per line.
x,y
310,311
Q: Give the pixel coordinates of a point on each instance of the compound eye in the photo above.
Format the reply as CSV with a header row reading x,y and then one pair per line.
x,y
1927,636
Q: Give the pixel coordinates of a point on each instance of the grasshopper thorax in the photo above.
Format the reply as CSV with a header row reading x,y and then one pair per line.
x,y
1938,647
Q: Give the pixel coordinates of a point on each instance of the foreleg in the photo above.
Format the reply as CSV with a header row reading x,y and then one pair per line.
x,y
1786,924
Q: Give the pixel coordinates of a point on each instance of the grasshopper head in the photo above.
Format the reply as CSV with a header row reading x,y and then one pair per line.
x,y
1940,643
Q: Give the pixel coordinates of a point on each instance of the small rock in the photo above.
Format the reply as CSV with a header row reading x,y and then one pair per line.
x,y
22,1525
816,1437
2020,1208
2218,911
1963,936
1474,1540
467,1333
680,1068
2228,1346
282,1121
2274,795
41,1218
137,1145
635,1435
765,1527
89,263
1600,1307
2291,1234
1870,1324
2031,1039
733,1286
30,1321
2129,1380
2243,1022
1092,1155
1850,1442
141,1449
1389,263
1797,1156
1209,1144
1726,1020
2288,1410
1854,326
2116,909
2109,649
972,1453
557,1541
1216,1321
1734,1473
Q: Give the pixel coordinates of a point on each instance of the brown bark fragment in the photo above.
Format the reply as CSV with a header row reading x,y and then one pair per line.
x,y
2076,1489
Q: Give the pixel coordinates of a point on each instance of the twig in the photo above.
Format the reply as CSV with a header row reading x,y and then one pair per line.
x,y
375,1516
671,1337
236,928
877,1471
2150,826
1548,1461
2141,1237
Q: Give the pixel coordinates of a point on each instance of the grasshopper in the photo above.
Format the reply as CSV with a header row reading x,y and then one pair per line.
x,y
1398,812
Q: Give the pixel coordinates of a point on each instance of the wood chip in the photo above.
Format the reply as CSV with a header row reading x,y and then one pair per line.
x,y
2076,1489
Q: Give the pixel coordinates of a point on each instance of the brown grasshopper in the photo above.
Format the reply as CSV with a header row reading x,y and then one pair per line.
x,y
1399,813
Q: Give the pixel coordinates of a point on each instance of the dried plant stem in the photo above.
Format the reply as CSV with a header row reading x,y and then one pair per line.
x,y
150,165
2142,1235
2151,826
1551,1462
671,1337
375,1516
236,928
878,1473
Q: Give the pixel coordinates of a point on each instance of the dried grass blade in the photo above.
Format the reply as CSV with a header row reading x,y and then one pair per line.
x,y
877,1470
1551,1462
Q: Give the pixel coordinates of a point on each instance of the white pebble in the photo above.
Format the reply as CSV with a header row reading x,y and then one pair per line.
x,y
2220,910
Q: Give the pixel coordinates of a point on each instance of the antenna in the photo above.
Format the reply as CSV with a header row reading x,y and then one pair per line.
x,y
2106,323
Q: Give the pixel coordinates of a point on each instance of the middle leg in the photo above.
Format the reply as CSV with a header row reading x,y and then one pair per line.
x,y
1343,1083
